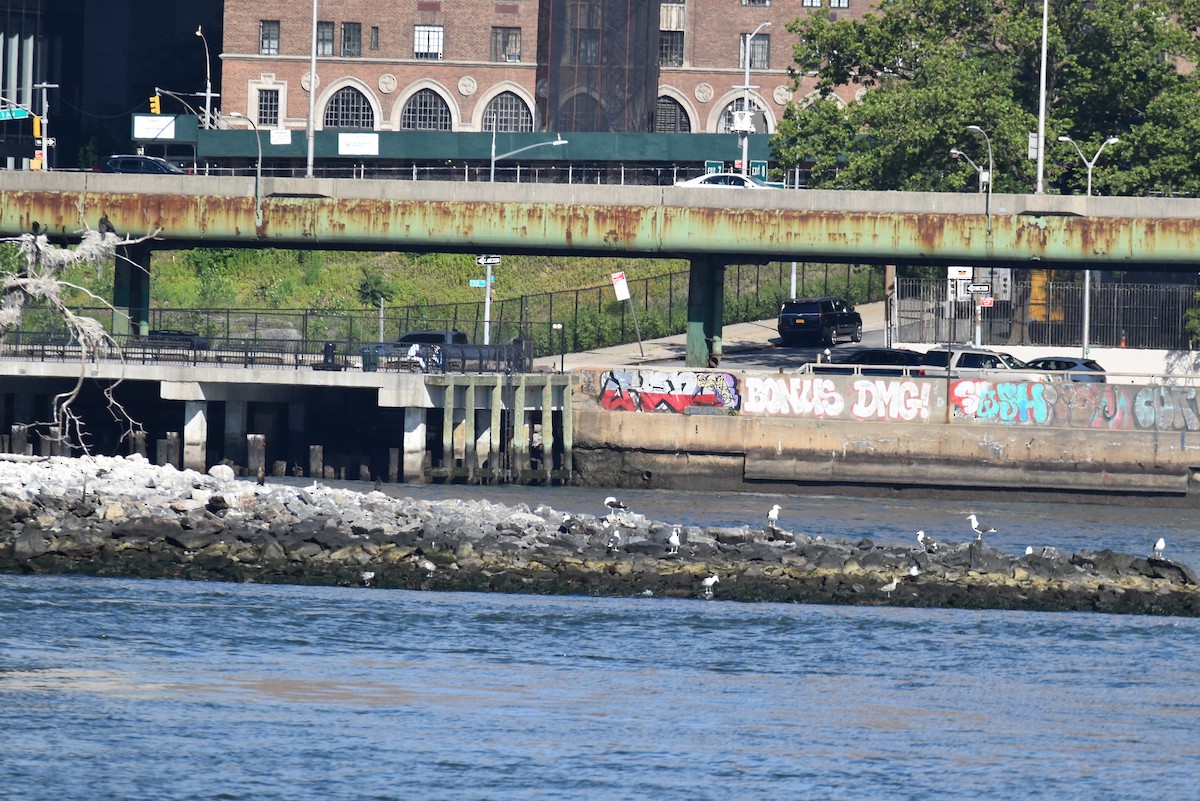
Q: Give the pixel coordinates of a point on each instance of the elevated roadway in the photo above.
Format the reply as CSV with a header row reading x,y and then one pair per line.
x,y
709,227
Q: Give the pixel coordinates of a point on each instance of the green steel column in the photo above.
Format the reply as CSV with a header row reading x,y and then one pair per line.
x,y
706,296
131,290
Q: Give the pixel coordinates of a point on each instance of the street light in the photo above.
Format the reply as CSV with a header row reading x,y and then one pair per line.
x,y
312,92
562,346
954,151
1112,140
207,78
746,100
987,203
258,215
47,142
558,140
1041,134
1087,274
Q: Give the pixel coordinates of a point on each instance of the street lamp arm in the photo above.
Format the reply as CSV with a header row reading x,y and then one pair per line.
x,y
258,212
555,143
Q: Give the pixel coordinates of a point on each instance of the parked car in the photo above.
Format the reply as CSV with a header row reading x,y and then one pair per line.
x,y
968,362
143,165
1074,368
822,320
725,180
875,361
181,339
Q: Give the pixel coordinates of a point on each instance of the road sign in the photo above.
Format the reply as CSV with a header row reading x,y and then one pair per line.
x,y
979,287
484,261
478,282
711,166
49,141
987,303
14,113
620,286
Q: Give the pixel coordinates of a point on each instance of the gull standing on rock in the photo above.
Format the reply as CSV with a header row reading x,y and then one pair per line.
x,y
673,541
1160,546
891,586
979,528
613,543
428,567
614,505
773,519
708,583
928,543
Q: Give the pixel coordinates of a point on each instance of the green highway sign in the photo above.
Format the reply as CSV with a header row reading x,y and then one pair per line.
x,y
478,282
14,113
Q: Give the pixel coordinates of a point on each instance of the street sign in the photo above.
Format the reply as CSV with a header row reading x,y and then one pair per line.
x,y
711,166
14,114
979,287
987,303
758,169
484,261
620,286
49,141
478,282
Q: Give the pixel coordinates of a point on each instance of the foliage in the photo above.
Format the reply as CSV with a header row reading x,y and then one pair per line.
x,y
934,67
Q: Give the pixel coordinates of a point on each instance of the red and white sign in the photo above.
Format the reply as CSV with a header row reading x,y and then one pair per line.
x,y
620,286
987,302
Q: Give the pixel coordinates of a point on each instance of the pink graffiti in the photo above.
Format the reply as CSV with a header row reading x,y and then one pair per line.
x,y
666,391
1004,402
891,400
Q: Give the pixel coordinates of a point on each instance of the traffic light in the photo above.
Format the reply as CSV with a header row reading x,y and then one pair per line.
x,y
155,104
37,126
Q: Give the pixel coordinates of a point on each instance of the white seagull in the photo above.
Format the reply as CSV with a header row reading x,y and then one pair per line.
x,y
1160,546
891,586
614,540
367,576
708,583
979,528
673,541
914,571
613,504
773,517
927,542
428,567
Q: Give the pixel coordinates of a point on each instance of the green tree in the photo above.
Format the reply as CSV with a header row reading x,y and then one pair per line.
x,y
934,67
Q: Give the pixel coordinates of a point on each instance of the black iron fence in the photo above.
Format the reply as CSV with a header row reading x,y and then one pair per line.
x,y
540,325
1049,314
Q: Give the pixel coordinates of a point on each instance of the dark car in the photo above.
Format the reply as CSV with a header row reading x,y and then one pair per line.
x,y
1073,368
876,361
141,165
822,320
179,339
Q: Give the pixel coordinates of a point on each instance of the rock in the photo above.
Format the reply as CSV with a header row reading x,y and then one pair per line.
x,y
223,473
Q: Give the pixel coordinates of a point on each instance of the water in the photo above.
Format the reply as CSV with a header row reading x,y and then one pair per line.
x,y
161,690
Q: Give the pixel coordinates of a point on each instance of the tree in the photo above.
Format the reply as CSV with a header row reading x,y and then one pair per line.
x,y
931,68
373,290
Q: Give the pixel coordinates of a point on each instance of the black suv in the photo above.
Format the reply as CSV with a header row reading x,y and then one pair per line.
x,y
822,320
142,165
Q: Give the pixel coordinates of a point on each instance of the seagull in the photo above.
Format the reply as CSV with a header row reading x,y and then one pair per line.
x,y
979,528
1160,546
891,586
773,517
367,577
927,542
673,541
614,541
613,504
708,583
914,571
428,567
261,476
1029,550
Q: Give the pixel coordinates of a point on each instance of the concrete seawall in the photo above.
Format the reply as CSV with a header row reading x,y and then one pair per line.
x,y
670,428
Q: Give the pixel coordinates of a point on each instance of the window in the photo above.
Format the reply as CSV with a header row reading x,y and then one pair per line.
x,y
584,18
585,44
760,52
811,3
427,42
506,44
670,48
351,39
756,2
348,108
374,37
268,107
268,37
507,112
725,124
324,38
839,3
425,111
669,117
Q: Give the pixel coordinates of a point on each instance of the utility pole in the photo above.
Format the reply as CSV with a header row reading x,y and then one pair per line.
x,y
46,161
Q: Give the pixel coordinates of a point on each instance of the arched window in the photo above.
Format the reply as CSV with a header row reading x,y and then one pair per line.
x,y
669,117
725,124
349,108
425,111
507,112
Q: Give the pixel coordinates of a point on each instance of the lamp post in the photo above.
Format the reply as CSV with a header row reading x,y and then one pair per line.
x,y
558,140
207,79
954,151
46,140
312,92
1041,134
746,99
258,215
1087,274
987,179
562,346
1112,140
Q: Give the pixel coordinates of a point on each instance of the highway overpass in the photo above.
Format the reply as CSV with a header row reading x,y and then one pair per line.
x,y
709,227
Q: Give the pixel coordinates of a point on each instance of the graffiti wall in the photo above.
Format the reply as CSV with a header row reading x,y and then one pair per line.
x,y
900,399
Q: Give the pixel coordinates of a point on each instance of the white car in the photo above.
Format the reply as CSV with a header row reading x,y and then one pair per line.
x,y
725,180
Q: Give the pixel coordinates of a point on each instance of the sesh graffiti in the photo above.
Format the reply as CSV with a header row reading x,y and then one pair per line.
x,y
866,399
1003,401
667,391
1067,404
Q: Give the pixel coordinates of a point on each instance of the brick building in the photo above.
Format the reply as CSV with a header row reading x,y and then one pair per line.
x,y
475,65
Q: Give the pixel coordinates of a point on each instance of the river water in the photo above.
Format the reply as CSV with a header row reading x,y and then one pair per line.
x,y
157,690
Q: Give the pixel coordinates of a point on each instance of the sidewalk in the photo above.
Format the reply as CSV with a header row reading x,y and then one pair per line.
x,y
740,336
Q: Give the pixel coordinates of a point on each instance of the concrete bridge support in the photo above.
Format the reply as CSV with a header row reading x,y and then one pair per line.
x,y
131,290
195,435
416,455
706,301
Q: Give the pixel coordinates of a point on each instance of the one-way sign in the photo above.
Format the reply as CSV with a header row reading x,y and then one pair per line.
x,y
979,287
484,261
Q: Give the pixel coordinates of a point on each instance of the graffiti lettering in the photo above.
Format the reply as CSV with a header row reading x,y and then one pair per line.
x,y
891,400
666,390
1004,402
805,397
1166,408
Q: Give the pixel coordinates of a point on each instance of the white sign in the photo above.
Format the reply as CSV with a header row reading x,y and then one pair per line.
x,y
620,286
979,287
281,136
153,126
484,261
358,144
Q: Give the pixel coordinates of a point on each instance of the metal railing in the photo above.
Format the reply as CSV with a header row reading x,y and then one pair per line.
x,y
1049,314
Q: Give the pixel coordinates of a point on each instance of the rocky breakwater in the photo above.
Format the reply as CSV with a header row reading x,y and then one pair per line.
x,y
125,517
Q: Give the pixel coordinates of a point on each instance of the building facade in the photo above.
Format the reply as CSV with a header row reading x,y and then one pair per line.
x,y
473,65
